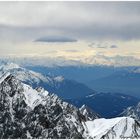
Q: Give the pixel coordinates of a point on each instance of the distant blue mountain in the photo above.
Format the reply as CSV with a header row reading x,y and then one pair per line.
x,y
100,78
67,88
125,81
81,74
107,105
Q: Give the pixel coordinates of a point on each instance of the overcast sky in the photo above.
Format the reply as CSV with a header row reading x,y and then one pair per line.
x,y
70,29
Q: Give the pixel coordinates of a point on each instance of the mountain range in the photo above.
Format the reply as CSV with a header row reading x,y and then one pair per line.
x,y
106,104
96,60
35,113
65,88
123,81
99,78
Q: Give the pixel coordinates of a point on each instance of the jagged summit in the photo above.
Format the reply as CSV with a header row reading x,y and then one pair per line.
x,y
9,66
22,74
88,113
132,111
4,76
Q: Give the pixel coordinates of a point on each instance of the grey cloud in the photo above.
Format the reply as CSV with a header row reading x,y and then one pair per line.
x,y
97,45
113,46
91,45
55,39
102,45
87,21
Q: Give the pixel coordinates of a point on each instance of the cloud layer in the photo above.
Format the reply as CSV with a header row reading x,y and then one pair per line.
x,y
75,30
81,20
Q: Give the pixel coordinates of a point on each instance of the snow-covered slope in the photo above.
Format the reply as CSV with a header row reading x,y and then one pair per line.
x,y
88,113
132,111
2,78
116,128
34,97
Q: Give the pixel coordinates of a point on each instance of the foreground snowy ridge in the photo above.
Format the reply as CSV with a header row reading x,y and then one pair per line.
x,y
116,128
34,113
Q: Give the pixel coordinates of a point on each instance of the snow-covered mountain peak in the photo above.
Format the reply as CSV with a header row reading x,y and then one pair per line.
x,y
132,111
33,97
88,113
23,74
83,106
121,127
136,70
4,76
9,66
59,78
138,105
